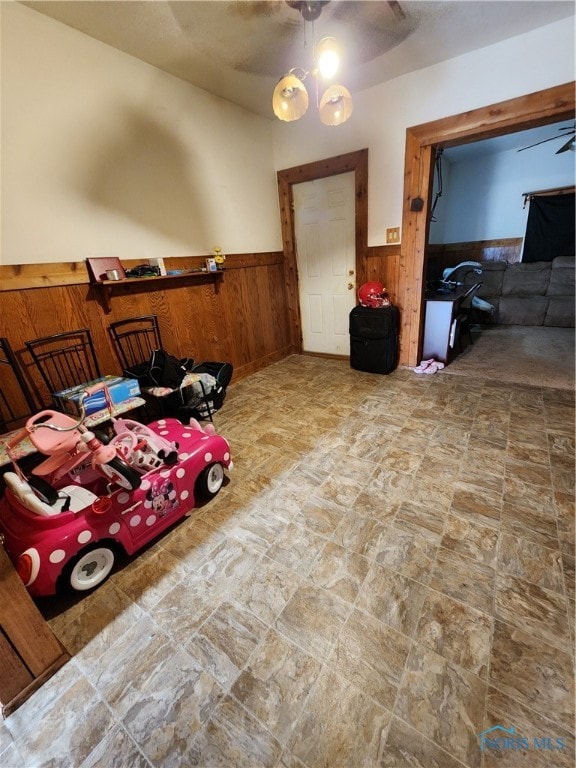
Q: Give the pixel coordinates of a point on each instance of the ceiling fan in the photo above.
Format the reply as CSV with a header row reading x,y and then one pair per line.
x,y
310,10
569,131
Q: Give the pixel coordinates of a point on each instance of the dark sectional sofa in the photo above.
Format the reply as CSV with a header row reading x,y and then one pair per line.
x,y
538,293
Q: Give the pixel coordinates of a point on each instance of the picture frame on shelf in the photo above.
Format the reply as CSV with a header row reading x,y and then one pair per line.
x,y
98,267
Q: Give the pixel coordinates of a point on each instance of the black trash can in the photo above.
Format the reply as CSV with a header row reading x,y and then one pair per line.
x,y
374,339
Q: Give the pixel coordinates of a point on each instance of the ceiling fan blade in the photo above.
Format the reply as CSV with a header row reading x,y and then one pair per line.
x,y
565,147
396,9
552,138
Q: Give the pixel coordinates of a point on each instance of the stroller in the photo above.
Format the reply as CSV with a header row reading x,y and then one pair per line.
x,y
452,277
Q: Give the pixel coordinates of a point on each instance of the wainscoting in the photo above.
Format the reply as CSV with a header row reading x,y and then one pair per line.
x,y
243,319
438,257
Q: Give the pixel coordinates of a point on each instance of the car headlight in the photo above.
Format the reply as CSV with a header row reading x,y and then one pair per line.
x,y
28,566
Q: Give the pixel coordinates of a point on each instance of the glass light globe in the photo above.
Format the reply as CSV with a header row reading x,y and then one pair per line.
x,y
290,99
335,105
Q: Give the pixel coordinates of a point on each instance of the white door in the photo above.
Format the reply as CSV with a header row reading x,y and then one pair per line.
x,y
324,222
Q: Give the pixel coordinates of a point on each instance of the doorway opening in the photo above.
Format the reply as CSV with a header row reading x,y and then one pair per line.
x,y
422,144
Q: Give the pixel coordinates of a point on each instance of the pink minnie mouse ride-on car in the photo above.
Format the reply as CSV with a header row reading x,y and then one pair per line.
x,y
65,524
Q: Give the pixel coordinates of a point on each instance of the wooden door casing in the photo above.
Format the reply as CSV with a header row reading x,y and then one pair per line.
x,y
422,141
352,161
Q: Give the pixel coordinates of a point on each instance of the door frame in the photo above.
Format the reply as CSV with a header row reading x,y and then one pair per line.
x,y
530,111
321,169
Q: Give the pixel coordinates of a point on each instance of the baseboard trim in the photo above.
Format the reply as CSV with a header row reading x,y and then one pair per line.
x,y
325,355
263,362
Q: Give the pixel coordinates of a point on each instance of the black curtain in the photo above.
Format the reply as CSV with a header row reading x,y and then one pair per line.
x,y
550,228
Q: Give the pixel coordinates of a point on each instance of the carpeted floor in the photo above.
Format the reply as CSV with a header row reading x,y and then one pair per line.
x,y
517,354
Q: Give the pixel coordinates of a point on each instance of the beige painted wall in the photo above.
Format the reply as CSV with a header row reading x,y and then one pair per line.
x,y
524,64
103,154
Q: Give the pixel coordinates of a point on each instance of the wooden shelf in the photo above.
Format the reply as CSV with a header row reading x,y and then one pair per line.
x,y
107,288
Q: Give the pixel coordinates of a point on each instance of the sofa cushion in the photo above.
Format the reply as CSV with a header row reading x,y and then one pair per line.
x,y
537,293
562,277
560,312
487,318
522,310
530,279
491,278
563,262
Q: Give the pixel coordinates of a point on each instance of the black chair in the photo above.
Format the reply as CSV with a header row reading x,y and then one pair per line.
x,y
464,316
16,400
136,339
68,359
17,404
65,359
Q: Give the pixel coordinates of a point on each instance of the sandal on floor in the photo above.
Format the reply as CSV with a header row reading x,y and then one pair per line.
x,y
424,364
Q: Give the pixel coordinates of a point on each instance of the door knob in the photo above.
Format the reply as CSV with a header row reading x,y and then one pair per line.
x,y
350,271
350,286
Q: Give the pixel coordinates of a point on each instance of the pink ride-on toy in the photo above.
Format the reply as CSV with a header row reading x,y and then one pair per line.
x,y
73,450
65,524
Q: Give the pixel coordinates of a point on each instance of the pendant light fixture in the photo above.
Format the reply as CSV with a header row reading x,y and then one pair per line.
x,y
290,98
335,105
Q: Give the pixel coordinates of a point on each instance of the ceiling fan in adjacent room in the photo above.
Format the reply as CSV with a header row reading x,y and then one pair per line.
x,y
567,131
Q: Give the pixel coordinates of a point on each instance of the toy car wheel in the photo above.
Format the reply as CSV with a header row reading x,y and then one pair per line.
x,y
119,472
43,490
89,568
210,481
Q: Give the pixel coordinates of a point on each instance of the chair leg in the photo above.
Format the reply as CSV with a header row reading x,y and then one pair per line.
x,y
154,409
463,329
206,403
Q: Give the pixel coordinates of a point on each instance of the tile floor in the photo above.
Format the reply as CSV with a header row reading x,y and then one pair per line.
x,y
388,573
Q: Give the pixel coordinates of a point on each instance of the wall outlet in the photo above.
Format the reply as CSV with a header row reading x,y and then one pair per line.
x,y
392,235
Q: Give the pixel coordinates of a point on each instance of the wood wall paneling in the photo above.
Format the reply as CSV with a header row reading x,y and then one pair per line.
x,y
441,256
383,265
246,322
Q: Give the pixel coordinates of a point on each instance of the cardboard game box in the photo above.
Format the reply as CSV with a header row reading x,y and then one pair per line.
x,y
67,400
